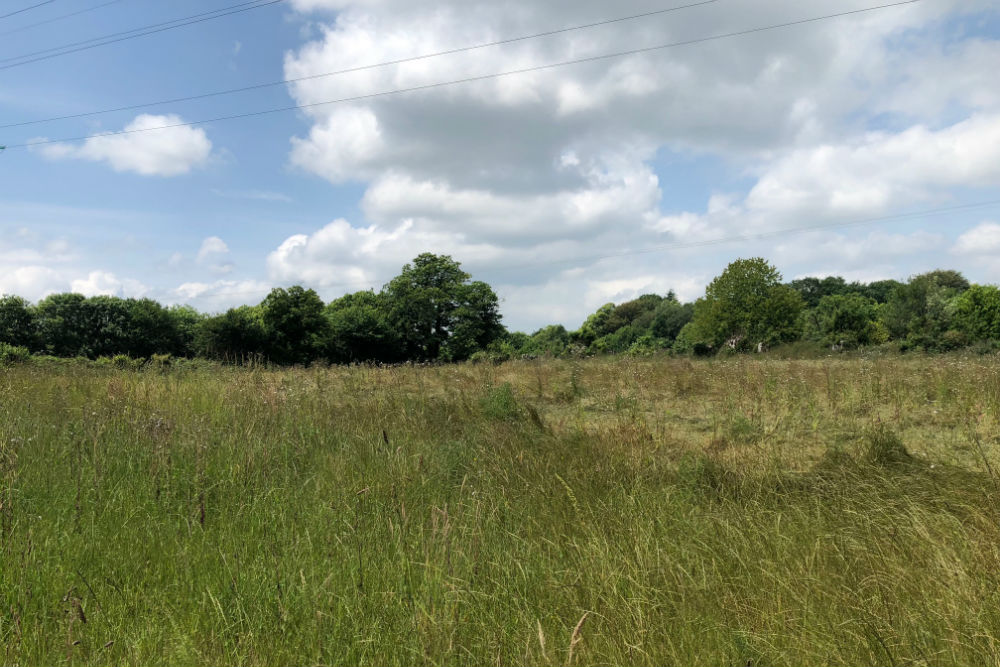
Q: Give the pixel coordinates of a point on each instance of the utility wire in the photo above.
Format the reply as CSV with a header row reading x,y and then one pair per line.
x,y
361,68
114,38
40,4
471,79
58,18
927,213
126,32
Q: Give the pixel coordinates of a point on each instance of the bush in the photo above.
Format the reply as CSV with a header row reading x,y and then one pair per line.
x,y
121,362
952,340
13,354
160,361
985,347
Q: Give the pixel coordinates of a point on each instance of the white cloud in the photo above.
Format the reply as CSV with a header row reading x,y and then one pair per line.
x,y
212,247
31,282
165,152
105,283
213,254
882,169
529,179
218,295
983,239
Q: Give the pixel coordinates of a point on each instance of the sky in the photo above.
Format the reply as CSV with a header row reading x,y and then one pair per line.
x,y
866,146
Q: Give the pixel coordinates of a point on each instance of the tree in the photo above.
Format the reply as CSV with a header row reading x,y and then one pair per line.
x,y
845,319
17,322
670,317
432,300
236,336
476,322
106,325
552,340
359,329
747,304
922,309
595,326
295,325
185,323
880,290
152,329
977,312
63,329
814,289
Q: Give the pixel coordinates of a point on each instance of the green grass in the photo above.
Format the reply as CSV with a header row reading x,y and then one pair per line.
x,y
653,511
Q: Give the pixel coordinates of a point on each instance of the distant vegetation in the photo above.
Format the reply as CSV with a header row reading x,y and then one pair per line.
x,y
433,311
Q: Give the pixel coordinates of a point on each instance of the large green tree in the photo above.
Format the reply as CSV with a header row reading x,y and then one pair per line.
x,y
747,305
63,325
433,301
977,312
360,329
295,325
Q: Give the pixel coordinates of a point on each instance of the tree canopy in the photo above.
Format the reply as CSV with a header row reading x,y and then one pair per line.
x,y
434,311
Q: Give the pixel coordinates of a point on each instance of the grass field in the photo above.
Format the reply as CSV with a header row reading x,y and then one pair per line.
x,y
650,511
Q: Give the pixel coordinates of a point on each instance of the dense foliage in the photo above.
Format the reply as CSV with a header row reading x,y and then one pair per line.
x,y
433,311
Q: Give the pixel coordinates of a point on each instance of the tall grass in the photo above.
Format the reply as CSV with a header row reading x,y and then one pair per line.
x,y
631,511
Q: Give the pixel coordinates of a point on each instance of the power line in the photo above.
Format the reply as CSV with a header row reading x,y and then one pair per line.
x,y
472,79
58,18
361,68
19,11
695,244
127,32
122,36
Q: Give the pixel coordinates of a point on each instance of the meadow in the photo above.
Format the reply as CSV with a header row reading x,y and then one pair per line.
x,y
742,511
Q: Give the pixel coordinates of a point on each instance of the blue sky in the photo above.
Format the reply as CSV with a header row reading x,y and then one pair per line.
x,y
531,181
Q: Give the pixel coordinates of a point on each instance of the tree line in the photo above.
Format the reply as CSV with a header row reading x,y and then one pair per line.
x,y
434,311
748,308
431,311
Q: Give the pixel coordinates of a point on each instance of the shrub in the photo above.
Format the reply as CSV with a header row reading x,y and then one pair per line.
x,y
126,363
952,340
160,360
13,354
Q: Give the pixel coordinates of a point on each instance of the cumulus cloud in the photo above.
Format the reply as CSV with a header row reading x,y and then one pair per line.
x,y
32,282
531,179
219,295
105,283
171,151
983,239
33,266
882,169
213,254
211,247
